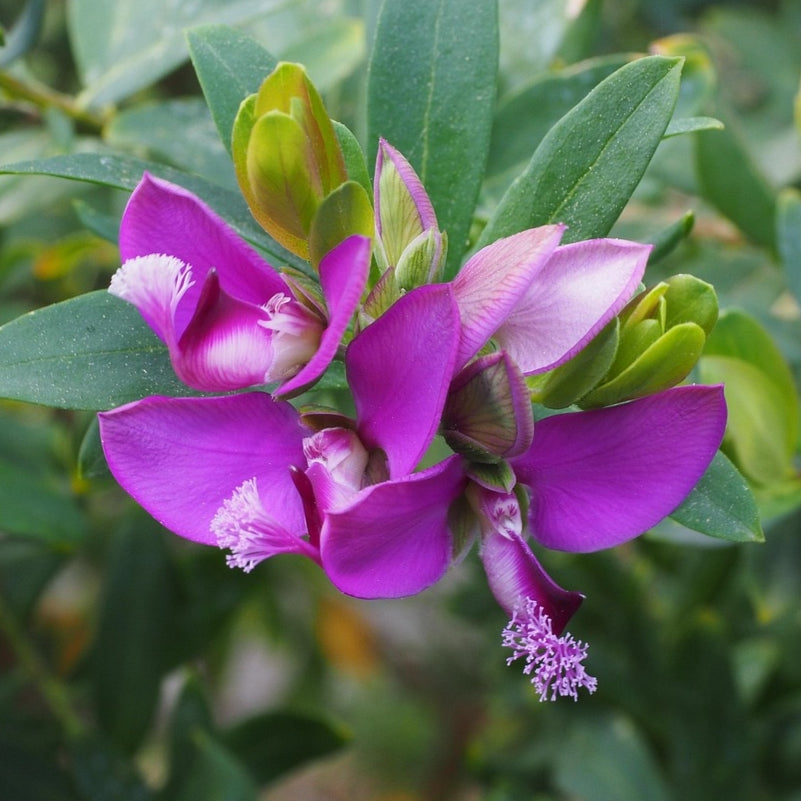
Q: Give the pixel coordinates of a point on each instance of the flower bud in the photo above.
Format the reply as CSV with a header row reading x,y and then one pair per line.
x,y
487,416
286,155
662,334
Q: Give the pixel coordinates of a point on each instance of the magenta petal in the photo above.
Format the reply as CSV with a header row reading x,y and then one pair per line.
x,y
514,574
492,282
578,291
164,218
601,477
343,275
181,458
399,369
393,538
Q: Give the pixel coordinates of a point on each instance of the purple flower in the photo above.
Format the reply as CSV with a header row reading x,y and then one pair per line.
x,y
229,320
251,474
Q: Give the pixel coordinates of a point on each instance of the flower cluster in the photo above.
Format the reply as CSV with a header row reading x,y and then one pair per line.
x,y
425,360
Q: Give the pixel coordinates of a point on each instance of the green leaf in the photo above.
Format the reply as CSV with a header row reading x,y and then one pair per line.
x,y
722,505
669,238
134,630
730,180
24,34
274,743
430,94
125,172
355,164
788,235
760,393
330,52
33,506
190,717
91,352
230,66
104,774
685,125
126,45
179,131
586,168
30,772
525,117
616,763
217,775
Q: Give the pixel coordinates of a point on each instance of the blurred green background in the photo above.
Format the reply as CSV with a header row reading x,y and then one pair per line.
x,y
135,666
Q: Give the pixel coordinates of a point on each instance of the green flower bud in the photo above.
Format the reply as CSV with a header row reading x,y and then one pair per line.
x,y
662,334
286,155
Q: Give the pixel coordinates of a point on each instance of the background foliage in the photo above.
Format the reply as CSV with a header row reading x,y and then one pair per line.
x,y
135,667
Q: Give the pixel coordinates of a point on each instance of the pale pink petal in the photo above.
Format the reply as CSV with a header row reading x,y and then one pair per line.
x,y
492,282
578,291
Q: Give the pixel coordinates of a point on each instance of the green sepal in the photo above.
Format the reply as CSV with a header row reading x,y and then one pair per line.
x,y
498,476
280,180
344,212
572,380
289,89
689,299
422,260
664,364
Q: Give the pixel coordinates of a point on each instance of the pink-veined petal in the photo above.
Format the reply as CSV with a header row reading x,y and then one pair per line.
x,y
399,369
514,574
181,458
343,275
493,281
393,539
601,477
579,290
164,218
426,217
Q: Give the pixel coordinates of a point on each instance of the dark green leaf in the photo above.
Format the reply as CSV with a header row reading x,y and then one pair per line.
x,y
608,760
230,66
431,91
31,773
685,125
179,131
134,630
26,567
668,239
32,506
586,168
732,183
24,34
722,505
126,45
217,775
789,237
191,716
106,226
277,742
523,118
125,172
103,774
90,352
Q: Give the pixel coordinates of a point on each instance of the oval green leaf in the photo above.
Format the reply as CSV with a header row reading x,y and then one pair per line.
x,y
588,165
430,94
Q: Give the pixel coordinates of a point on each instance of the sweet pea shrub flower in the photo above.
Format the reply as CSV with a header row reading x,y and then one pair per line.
x,y
248,474
229,320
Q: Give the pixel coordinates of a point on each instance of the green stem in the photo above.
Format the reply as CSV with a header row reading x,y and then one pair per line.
x,y
51,689
44,97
